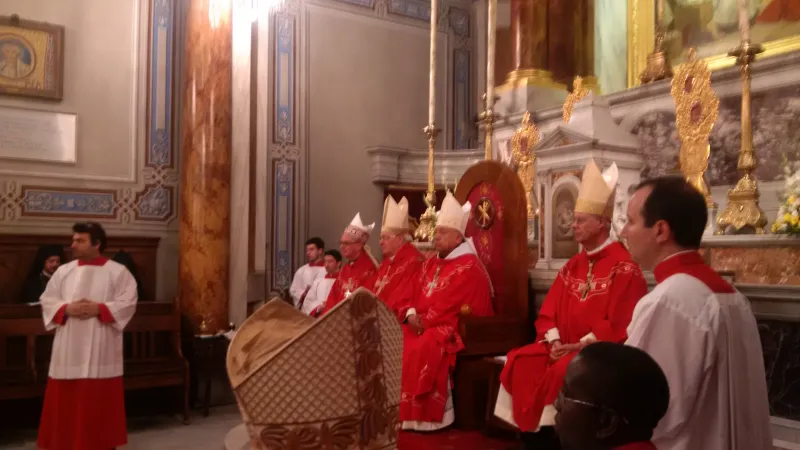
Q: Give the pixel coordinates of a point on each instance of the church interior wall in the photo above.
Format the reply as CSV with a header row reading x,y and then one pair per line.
x,y
118,63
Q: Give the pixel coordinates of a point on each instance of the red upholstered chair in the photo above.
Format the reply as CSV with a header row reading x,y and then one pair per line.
x,y
498,227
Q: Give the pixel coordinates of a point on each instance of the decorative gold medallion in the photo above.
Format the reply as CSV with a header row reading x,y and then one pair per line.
x,y
484,213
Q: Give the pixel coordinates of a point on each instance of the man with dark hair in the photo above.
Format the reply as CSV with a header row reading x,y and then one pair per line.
x,y
321,287
88,302
696,326
309,272
613,397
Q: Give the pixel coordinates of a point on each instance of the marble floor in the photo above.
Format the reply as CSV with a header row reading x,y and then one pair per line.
x,y
159,432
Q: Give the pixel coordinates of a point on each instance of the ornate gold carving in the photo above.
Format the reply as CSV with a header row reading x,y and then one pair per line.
x,y
697,108
484,213
742,210
427,222
658,66
578,92
522,143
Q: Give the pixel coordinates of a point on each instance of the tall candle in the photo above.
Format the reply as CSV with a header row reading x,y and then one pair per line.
x,y
432,85
744,20
660,14
490,45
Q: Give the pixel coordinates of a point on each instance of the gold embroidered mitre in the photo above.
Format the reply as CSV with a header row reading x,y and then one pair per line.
x,y
453,215
596,195
395,215
358,229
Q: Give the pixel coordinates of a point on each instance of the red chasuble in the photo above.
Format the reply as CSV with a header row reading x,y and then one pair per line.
x,y
394,283
428,359
579,306
353,275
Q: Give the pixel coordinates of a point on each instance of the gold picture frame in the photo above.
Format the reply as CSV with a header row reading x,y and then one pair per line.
x,y
641,23
31,58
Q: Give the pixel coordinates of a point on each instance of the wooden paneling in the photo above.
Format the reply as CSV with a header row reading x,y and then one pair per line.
x,y
17,252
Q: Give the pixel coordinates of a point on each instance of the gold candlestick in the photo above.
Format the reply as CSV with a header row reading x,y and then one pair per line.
x,y
427,221
487,118
742,210
658,66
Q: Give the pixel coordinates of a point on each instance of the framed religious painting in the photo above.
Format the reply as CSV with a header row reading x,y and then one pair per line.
x,y
712,27
31,58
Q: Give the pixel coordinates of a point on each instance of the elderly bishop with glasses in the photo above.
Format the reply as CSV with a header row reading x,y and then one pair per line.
x,y
592,299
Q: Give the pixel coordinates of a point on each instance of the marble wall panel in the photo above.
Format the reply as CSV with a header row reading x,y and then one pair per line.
x,y
780,341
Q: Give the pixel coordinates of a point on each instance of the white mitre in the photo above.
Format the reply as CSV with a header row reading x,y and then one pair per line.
x,y
598,190
395,215
358,229
453,215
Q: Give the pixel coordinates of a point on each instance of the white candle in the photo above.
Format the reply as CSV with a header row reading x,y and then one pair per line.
x,y
744,20
490,44
432,85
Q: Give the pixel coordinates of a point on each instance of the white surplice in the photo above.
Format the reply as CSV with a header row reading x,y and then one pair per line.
x,y
317,294
89,348
302,280
708,345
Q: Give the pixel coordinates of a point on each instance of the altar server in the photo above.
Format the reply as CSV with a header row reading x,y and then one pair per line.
x,y
88,302
401,260
592,299
307,273
361,266
448,282
321,287
699,329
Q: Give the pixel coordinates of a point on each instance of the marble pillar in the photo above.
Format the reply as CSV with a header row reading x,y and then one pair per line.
x,y
529,39
571,45
204,252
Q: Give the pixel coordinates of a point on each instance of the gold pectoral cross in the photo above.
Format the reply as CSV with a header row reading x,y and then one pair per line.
x,y
589,284
381,284
349,288
432,284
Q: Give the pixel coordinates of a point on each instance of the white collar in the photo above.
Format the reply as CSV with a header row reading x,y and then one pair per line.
x,y
605,244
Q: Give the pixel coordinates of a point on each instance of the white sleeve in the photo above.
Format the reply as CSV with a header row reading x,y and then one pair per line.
x,y
310,302
552,335
52,300
123,305
296,289
682,349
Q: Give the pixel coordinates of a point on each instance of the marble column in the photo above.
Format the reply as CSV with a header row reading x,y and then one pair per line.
x,y
204,252
529,36
571,45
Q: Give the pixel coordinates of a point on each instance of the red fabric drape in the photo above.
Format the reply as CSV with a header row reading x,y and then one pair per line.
x,y
489,242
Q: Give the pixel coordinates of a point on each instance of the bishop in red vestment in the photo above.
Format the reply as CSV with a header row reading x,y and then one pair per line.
x,y
402,262
592,299
88,302
361,266
453,279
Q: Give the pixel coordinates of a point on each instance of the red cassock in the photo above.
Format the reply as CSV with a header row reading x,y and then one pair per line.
x,y
428,359
599,308
394,284
355,274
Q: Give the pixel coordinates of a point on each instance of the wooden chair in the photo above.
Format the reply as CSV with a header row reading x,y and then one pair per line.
x,y
498,227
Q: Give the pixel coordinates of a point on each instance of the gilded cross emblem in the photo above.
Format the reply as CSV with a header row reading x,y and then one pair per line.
x,y
432,284
349,288
589,284
380,284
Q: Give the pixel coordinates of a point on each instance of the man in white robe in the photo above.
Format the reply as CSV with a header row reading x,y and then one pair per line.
x,y
88,302
321,287
306,274
699,329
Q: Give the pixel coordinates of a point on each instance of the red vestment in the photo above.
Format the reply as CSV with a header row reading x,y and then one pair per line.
x,y
598,309
394,284
355,274
428,359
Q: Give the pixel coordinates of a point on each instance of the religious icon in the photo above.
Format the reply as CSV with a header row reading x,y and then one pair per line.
x,y
31,58
484,213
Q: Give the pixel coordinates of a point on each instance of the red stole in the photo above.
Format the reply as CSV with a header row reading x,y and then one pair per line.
x,y
691,263
394,283
576,305
355,274
444,286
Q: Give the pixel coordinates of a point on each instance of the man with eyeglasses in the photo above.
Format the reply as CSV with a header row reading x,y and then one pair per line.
x,y
88,302
591,299
612,399
361,266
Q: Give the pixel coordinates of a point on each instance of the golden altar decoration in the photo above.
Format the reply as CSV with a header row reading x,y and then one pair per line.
x,y
579,91
522,144
696,108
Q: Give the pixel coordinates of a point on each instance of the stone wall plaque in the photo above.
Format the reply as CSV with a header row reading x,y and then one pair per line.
x,y
38,135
